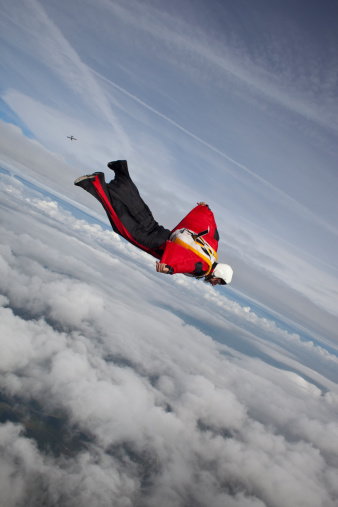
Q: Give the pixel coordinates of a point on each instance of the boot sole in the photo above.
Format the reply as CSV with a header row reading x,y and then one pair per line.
x,y
83,178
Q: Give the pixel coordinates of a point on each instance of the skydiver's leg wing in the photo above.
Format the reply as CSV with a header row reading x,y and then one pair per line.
x,y
123,187
121,220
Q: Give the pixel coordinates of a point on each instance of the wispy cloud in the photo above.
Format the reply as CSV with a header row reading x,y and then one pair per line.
x,y
261,70
64,62
45,44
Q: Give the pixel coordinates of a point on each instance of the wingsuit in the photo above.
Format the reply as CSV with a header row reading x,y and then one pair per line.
x,y
189,248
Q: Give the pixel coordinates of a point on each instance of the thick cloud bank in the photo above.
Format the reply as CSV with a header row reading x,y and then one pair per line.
x,y
123,387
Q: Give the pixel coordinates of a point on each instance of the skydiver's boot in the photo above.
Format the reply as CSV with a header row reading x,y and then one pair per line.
x,y
120,168
82,179
95,184
86,180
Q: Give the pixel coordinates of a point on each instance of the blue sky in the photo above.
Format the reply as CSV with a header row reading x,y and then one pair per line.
x,y
219,396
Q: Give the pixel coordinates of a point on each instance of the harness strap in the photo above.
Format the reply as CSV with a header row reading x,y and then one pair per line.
x,y
203,233
197,244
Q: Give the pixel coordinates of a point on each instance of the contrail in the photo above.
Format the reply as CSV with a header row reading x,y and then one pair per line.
x,y
179,127
290,200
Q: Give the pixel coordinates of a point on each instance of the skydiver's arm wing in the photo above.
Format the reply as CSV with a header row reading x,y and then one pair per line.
x,y
182,260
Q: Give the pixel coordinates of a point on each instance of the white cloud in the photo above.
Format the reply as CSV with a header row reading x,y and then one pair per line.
x,y
169,419
42,40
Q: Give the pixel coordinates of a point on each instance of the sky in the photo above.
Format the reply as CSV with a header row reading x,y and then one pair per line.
x,y
177,393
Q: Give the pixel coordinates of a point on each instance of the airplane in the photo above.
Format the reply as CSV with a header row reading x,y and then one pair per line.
x,y
72,138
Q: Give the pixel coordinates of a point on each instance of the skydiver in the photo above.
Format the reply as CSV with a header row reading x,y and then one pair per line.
x,y
190,248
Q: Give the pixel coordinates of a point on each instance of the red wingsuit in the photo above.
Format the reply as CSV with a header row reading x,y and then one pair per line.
x,y
131,218
182,260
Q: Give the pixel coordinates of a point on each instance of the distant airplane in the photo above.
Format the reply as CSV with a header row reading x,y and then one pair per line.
x,y
72,138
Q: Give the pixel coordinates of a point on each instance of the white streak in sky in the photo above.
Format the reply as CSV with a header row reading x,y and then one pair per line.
x,y
289,201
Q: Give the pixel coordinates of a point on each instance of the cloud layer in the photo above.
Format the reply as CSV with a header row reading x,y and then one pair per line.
x,y
153,410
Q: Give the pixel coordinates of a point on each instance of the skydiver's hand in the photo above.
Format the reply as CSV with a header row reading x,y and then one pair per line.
x,y
161,267
202,204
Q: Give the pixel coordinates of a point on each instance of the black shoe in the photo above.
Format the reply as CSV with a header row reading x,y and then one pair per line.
x,y
83,181
87,177
120,168
113,165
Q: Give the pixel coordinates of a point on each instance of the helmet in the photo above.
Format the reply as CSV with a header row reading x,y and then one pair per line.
x,y
223,271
